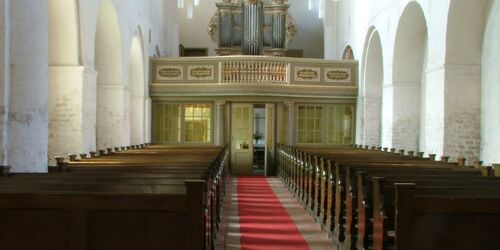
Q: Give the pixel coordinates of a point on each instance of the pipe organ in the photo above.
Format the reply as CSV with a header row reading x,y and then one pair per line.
x,y
252,27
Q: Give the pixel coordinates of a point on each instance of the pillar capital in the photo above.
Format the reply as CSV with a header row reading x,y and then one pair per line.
x,y
220,102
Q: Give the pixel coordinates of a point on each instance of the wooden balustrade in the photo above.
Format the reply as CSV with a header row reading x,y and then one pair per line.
x,y
254,72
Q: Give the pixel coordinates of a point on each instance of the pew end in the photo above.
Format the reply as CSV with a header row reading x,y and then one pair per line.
x,y
461,161
496,169
72,157
4,171
432,157
445,159
110,151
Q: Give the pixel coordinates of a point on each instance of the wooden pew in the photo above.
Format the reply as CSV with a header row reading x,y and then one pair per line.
x,y
136,177
103,216
343,217
368,193
315,181
431,220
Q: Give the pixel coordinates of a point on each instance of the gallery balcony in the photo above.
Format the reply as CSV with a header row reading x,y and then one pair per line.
x,y
253,75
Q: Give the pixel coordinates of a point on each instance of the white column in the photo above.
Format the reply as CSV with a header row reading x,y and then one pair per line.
x,y
219,139
406,116
111,116
291,123
65,111
461,126
4,80
72,110
28,111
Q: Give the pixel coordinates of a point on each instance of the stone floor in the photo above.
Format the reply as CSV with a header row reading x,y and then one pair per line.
x,y
229,235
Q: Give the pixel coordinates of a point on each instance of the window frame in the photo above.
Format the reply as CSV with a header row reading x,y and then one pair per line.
x,y
182,128
325,120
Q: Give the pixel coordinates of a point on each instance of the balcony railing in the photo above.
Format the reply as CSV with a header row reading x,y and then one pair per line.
x,y
253,70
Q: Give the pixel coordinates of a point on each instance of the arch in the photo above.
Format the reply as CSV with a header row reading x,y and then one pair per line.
x,y
373,77
112,118
490,88
137,92
464,42
348,53
409,65
64,35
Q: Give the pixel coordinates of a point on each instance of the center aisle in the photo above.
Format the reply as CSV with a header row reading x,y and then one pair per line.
x,y
264,222
260,213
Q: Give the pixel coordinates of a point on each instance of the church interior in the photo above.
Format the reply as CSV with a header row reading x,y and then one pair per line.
x,y
250,124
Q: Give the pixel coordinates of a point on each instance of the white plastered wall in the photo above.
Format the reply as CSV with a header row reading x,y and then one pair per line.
x,y
48,88
408,82
66,74
462,70
4,81
146,20
451,78
28,90
490,105
137,93
370,92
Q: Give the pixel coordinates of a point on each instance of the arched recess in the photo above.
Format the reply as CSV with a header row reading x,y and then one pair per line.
x,y
461,123
404,112
348,53
66,85
490,106
371,91
112,118
137,92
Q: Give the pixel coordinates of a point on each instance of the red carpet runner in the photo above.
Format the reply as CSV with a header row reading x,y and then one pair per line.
x,y
264,222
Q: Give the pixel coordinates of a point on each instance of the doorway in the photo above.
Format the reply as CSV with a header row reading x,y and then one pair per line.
x,y
252,138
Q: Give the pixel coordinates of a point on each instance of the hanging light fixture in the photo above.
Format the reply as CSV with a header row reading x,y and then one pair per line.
x,y
190,11
321,9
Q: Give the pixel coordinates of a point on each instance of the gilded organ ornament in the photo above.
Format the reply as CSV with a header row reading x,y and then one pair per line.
x,y
212,27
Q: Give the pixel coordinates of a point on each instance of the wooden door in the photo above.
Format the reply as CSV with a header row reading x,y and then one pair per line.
x,y
242,139
270,139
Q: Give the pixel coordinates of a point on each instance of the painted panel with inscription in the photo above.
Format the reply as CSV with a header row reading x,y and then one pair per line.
x,y
169,73
201,72
307,74
338,75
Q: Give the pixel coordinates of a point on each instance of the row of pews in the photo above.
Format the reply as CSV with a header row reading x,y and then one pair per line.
x,y
140,197
379,199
